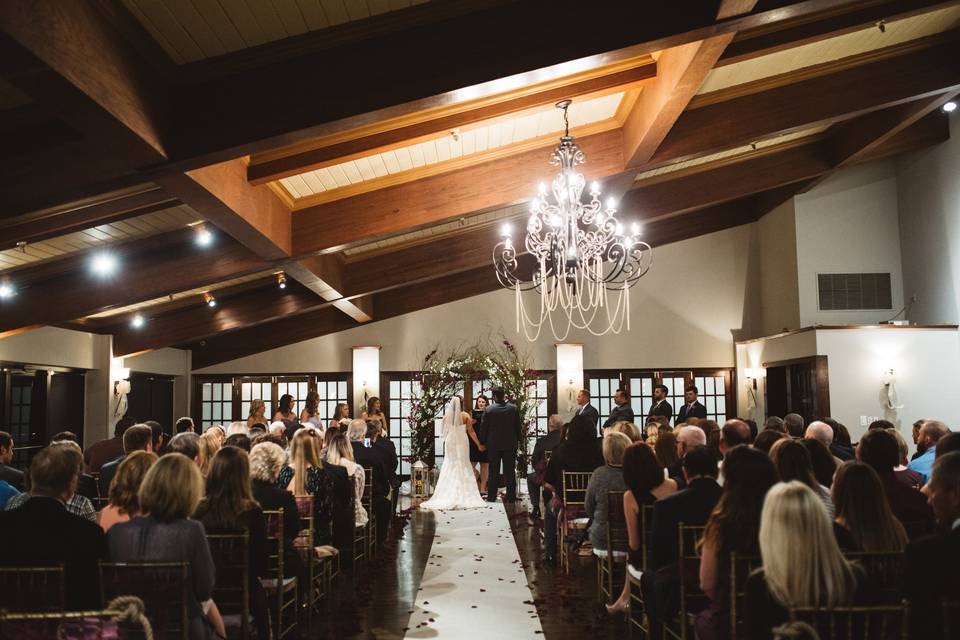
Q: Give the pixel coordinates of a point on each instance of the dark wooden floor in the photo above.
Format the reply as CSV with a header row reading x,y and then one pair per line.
x,y
377,601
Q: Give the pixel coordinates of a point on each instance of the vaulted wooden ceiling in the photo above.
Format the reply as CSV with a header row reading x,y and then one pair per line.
x,y
368,149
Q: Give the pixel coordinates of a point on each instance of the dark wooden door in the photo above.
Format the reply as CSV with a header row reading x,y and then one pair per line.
x,y
151,398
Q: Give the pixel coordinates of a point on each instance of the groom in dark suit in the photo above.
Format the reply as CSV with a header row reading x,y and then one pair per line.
x,y
501,424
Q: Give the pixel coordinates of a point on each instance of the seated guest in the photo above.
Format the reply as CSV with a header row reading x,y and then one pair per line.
x,y
660,582
688,437
124,490
878,448
606,478
76,504
793,462
931,576
7,473
102,452
229,507
159,437
824,463
793,423
916,438
822,433
186,443
774,423
767,438
538,461
581,451
754,431
733,527
138,437
734,433
277,428
629,429
881,424
87,485
930,434
169,495
369,452
184,425
841,446
644,478
255,430
947,444
665,449
210,442
905,475
218,433
308,476
864,521
266,460
340,452
812,574
7,491
44,533
238,440
234,429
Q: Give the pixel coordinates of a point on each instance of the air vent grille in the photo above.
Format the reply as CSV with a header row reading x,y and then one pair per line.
x,y
854,291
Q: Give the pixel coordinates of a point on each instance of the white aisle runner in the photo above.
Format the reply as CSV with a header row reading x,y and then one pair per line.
x,y
473,585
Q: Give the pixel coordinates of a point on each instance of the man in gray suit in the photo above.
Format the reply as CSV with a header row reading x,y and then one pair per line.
x,y
501,423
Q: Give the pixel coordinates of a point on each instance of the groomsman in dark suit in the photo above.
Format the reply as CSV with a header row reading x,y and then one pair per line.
x,y
622,411
660,406
691,407
586,409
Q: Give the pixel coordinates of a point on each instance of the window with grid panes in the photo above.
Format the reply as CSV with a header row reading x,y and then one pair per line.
x,y
676,384
601,395
297,387
216,404
541,413
402,393
21,394
641,396
713,395
256,389
332,393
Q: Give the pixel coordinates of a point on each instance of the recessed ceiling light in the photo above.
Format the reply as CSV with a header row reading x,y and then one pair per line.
x,y
137,321
103,263
950,107
204,237
6,290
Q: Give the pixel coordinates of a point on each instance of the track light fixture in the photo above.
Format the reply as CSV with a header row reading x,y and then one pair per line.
x,y
209,299
103,263
282,280
6,290
949,107
204,238
137,321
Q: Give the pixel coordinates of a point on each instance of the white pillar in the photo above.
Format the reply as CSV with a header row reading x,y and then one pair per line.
x,y
569,377
366,376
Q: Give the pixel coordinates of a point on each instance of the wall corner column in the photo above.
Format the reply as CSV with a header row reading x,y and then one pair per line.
x,y
366,376
570,377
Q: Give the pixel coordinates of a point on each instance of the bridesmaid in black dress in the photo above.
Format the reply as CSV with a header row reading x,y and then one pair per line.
x,y
478,454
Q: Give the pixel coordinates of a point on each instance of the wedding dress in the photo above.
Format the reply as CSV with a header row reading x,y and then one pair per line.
x,y
457,486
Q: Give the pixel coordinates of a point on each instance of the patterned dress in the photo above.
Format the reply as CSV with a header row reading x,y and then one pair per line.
x,y
320,485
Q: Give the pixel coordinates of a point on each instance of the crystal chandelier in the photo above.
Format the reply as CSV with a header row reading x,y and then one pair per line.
x,y
586,263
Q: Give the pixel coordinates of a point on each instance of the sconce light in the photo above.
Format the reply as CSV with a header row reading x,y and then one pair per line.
x,y
753,374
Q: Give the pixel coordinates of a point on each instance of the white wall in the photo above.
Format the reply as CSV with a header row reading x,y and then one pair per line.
x,y
753,354
928,193
55,347
779,298
849,224
683,314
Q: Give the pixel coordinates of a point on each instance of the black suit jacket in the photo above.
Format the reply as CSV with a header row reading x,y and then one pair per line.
x,y
619,413
379,460
698,411
501,423
663,409
691,506
930,577
590,413
107,472
42,533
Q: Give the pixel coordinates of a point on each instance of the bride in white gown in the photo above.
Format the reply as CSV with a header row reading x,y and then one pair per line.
x,y
457,485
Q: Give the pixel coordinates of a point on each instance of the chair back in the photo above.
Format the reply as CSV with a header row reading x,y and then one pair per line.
x,y
547,453
231,560
37,589
274,543
164,588
617,537
100,624
574,492
305,513
367,488
740,569
951,618
691,597
646,534
887,622
885,570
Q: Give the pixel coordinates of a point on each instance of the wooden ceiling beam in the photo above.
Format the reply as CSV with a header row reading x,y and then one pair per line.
x,y
64,289
406,207
324,275
251,214
883,79
50,223
382,136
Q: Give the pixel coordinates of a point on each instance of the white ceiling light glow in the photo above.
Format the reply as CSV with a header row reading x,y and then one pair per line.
x,y
103,264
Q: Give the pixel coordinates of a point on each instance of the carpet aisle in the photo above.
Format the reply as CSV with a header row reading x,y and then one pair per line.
x,y
474,582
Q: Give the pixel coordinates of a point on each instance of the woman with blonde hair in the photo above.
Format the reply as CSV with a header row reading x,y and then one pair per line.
x,y
124,499
210,442
628,429
258,409
218,433
864,521
811,574
306,475
168,496
340,452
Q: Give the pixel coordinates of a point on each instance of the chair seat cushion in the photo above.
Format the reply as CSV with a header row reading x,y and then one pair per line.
x,y
579,523
603,553
633,572
235,620
326,551
271,583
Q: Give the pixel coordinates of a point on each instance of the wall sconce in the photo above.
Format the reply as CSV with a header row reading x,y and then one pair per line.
x,y
753,374
890,400
119,374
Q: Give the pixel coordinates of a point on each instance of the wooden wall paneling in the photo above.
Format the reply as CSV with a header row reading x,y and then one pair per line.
x,y
880,81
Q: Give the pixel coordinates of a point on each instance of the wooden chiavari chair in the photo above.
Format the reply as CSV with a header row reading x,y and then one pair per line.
x,y
34,589
615,554
888,622
740,569
574,495
231,559
100,623
164,588
281,591
692,599
371,516
885,569
637,619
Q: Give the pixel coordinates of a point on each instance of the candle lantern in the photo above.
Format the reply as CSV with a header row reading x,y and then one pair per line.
x,y
419,481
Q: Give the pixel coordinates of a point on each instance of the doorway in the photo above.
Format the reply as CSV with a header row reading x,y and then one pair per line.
x,y
798,386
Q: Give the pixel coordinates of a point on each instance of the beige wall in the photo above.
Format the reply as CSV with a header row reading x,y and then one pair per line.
x,y
776,246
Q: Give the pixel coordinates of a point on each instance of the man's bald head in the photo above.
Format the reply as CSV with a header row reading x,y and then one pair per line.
x,y
821,432
734,432
689,437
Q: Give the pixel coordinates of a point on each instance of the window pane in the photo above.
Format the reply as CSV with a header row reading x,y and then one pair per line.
x,y
720,384
216,392
216,411
207,391
205,411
